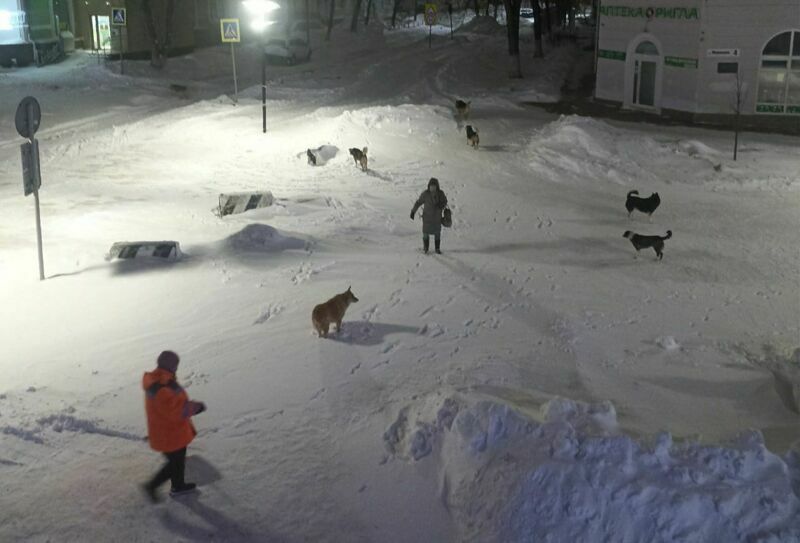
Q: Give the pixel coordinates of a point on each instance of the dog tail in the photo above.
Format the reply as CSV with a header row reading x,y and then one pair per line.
x,y
669,235
632,192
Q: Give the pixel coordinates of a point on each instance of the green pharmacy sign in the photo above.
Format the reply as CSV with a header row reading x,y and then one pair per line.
x,y
768,108
793,110
650,13
613,55
681,62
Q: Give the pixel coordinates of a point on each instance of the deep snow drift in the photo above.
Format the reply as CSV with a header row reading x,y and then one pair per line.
x,y
533,383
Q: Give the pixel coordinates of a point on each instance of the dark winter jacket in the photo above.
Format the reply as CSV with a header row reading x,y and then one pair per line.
x,y
432,207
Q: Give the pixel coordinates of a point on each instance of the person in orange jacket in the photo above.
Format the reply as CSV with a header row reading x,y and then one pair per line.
x,y
169,425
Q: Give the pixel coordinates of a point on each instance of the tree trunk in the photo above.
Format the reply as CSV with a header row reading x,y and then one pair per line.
x,y
354,20
331,11
537,28
394,12
477,9
366,17
512,28
547,19
159,41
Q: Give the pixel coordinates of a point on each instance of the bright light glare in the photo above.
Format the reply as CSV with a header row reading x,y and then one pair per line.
x,y
260,7
260,24
5,20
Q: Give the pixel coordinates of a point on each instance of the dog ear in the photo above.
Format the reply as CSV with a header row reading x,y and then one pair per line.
x,y
348,289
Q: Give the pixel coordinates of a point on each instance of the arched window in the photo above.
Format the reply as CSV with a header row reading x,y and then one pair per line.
x,y
647,48
779,75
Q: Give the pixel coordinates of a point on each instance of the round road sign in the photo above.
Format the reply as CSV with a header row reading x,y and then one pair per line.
x,y
28,121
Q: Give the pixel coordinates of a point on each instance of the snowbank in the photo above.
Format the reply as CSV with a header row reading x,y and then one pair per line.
x,y
567,474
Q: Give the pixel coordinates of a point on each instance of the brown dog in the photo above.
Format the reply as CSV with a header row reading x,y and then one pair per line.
x,y
331,311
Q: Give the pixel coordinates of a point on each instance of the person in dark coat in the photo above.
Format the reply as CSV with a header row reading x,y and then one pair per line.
x,y
433,201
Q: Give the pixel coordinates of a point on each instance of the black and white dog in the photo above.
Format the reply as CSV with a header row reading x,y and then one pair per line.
x,y
644,205
643,242
472,136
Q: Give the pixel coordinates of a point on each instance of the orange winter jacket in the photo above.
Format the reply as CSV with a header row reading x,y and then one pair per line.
x,y
169,411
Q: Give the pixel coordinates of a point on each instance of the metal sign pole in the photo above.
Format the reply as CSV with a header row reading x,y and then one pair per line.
x,y
235,84
36,177
264,90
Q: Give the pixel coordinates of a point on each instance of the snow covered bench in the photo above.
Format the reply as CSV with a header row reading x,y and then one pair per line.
x,y
239,202
169,250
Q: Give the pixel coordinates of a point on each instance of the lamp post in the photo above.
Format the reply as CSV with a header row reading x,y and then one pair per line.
x,y
261,12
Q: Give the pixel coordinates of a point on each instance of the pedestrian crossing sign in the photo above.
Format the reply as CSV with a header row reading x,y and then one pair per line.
x,y
119,17
229,28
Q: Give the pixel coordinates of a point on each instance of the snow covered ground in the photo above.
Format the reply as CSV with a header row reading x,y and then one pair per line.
x,y
533,383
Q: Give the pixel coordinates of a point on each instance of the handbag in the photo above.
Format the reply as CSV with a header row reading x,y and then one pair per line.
x,y
447,217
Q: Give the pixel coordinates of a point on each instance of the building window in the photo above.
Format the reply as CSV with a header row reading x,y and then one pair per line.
x,y
647,48
727,67
779,75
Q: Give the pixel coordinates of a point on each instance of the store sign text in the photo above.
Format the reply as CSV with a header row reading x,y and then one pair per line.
x,y
650,13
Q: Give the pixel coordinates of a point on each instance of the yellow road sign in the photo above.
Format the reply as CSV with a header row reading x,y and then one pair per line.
x,y
430,14
229,30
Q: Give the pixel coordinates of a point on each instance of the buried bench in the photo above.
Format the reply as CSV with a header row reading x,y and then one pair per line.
x,y
239,202
170,250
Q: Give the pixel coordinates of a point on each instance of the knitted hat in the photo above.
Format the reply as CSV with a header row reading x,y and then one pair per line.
x,y
168,360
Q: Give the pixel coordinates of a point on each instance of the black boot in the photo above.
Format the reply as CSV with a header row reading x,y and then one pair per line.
x,y
438,243
426,242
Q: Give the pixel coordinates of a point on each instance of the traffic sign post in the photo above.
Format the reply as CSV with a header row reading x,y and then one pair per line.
x,y
430,20
229,31
27,120
119,17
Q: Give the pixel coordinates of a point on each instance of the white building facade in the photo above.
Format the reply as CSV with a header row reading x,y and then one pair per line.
x,y
701,58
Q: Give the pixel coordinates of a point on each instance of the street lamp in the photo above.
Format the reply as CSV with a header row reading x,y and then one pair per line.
x,y
261,12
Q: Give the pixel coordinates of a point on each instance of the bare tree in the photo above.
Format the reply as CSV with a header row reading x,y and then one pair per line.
x,y
537,28
366,17
331,11
159,29
394,11
354,20
512,28
739,97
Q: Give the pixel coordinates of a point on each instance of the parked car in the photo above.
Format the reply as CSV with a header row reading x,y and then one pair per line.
x,y
526,13
287,50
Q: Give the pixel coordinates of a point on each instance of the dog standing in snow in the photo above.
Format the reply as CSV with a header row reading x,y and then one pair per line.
x,y
332,312
643,242
472,136
644,205
462,109
360,156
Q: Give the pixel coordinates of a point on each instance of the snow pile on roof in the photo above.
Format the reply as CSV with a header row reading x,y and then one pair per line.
x,y
507,476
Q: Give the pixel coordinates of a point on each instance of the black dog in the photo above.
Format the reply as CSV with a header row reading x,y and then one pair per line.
x,y
643,242
360,156
311,158
645,205
472,136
